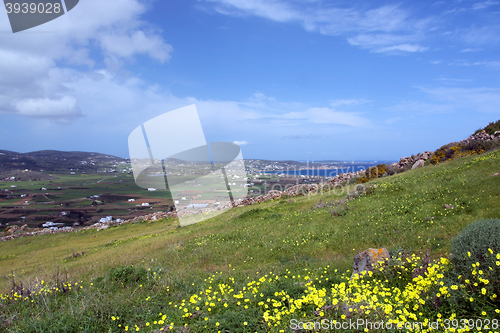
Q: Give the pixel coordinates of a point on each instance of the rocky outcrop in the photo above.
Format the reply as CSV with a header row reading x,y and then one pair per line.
x,y
34,233
418,164
482,136
10,230
405,162
370,259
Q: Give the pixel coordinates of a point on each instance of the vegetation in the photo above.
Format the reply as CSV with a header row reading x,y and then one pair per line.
x,y
476,246
255,268
491,128
377,171
456,150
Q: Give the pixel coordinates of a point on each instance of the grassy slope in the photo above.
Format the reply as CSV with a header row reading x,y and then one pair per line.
x,y
404,211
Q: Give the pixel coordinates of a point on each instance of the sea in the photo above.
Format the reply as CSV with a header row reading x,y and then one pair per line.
x,y
331,172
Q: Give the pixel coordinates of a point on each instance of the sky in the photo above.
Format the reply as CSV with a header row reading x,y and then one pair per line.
x,y
285,79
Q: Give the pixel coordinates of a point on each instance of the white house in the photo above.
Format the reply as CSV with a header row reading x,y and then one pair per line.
x,y
51,224
43,189
176,202
106,219
152,189
197,205
131,200
145,204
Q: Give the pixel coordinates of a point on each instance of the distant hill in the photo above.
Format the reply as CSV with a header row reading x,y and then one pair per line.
x,y
58,161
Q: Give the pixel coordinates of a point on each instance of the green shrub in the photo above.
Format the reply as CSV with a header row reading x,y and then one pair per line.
x,y
128,274
479,242
491,128
477,146
353,180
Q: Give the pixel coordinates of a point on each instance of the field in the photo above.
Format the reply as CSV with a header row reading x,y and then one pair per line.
x,y
67,199
71,194
229,273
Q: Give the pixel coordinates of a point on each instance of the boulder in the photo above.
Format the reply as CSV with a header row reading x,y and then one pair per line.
x,y
496,174
418,164
11,230
102,227
370,259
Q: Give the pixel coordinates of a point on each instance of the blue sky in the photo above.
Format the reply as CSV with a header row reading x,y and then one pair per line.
x,y
286,79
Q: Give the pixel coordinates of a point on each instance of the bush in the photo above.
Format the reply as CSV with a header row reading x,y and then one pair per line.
x,y
478,147
128,274
476,243
353,180
491,128
373,172
391,170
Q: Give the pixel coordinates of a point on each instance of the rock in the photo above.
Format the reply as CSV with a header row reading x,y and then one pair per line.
x,y
103,227
446,206
369,259
418,164
496,174
24,227
11,230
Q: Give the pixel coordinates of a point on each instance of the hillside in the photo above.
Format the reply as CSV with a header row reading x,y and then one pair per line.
x,y
58,161
231,271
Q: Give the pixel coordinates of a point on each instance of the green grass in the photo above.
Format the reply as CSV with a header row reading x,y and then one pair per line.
x,y
404,211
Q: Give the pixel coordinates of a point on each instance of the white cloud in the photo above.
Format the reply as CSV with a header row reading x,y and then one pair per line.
x,y
386,43
486,63
328,116
127,46
484,4
403,47
472,99
274,10
452,80
362,27
32,84
470,50
240,143
443,100
481,36
58,109
348,102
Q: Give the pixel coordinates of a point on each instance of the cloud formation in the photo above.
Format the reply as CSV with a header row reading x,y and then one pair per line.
x,y
387,28
36,68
